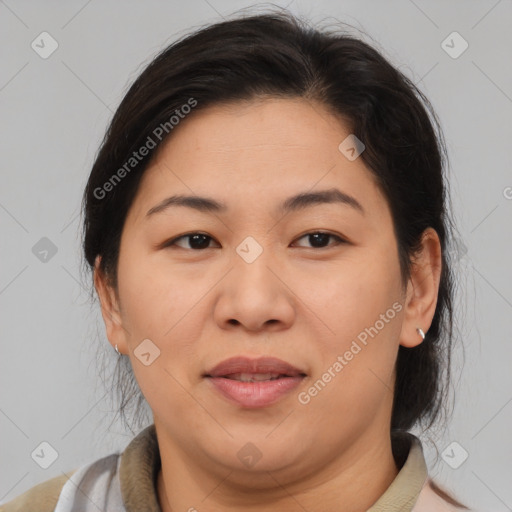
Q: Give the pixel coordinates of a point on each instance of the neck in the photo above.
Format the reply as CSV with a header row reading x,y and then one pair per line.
x,y
355,479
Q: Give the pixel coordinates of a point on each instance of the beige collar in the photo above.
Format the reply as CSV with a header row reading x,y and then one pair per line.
x,y
405,489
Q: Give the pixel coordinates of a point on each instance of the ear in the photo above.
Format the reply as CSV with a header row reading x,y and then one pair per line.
x,y
422,290
110,309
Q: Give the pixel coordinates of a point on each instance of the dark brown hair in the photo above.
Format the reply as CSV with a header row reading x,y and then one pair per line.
x,y
278,55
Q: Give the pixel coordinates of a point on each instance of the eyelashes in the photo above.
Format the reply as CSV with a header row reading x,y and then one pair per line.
x,y
200,241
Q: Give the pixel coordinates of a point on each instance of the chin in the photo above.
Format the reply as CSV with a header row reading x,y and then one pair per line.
x,y
253,460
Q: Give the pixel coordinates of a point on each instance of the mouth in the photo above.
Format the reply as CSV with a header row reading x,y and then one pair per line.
x,y
262,368
254,383
256,377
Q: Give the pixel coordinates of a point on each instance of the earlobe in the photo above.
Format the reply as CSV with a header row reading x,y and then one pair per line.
x,y
422,290
110,310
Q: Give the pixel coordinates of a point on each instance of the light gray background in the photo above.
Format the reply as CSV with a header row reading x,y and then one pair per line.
x,y
54,112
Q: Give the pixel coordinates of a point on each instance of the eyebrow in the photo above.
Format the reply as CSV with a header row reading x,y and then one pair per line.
x,y
295,203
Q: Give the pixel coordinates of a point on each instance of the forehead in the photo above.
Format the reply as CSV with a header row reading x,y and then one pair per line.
x,y
256,150
266,126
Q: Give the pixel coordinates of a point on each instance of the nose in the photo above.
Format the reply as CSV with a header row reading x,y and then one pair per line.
x,y
255,295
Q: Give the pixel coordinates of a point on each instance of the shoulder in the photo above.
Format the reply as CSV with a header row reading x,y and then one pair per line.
x,y
40,498
97,477
433,498
98,482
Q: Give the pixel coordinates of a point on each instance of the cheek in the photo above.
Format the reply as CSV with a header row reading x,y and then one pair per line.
x,y
360,305
161,304
351,294
156,297
355,381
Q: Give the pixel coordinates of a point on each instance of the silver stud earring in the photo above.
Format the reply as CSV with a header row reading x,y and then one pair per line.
x,y
117,350
421,333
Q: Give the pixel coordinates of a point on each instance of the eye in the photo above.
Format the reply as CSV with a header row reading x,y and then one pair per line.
x,y
198,241
319,239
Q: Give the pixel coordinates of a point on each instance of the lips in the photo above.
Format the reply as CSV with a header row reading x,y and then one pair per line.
x,y
263,368
254,377
254,383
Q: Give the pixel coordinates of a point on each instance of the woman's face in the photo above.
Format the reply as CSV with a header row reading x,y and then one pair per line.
x,y
256,285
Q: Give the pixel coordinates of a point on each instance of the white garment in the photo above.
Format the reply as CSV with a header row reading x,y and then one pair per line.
x,y
93,487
